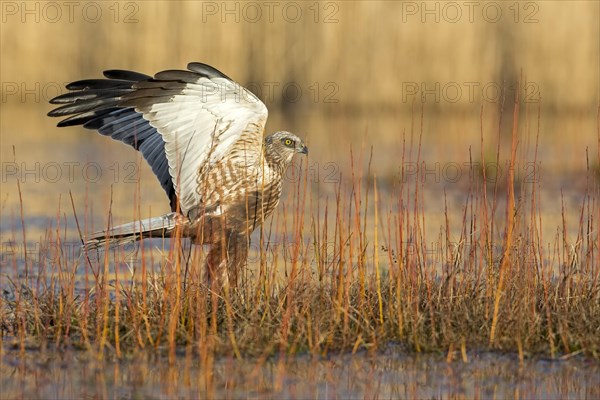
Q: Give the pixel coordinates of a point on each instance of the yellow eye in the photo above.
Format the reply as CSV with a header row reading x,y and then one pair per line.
x,y
288,142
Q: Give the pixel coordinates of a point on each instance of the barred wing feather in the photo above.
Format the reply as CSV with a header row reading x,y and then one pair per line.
x,y
181,121
200,126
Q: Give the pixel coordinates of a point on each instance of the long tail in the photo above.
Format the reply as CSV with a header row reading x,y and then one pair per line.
x,y
152,227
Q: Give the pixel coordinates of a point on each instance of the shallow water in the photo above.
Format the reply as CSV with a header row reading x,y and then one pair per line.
x,y
392,374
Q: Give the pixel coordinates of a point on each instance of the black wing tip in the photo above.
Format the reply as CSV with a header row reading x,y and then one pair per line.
x,y
65,98
207,70
114,79
125,75
60,111
64,123
72,120
80,84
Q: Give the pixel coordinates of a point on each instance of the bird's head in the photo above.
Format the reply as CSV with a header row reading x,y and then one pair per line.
x,y
281,146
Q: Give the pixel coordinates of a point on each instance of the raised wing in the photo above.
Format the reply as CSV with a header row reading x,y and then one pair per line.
x,y
181,121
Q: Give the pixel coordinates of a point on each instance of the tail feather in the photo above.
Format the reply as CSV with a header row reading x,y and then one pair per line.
x,y
119,235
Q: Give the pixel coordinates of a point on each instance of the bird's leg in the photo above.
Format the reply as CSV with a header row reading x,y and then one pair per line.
x,y
216,266
237,254
225,260
187,263
223,278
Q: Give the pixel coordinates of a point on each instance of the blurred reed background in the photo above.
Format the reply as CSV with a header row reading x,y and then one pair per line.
x,y
341,74
368,48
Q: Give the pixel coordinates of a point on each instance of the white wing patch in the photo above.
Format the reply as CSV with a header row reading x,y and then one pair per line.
x,y
200,125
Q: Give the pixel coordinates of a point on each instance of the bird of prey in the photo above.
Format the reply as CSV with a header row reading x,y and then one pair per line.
x,y
202,134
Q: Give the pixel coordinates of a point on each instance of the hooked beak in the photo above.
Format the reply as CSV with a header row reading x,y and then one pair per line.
x,y
304,150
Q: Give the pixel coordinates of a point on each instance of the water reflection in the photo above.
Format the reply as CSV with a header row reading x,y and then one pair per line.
x,y
79,374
